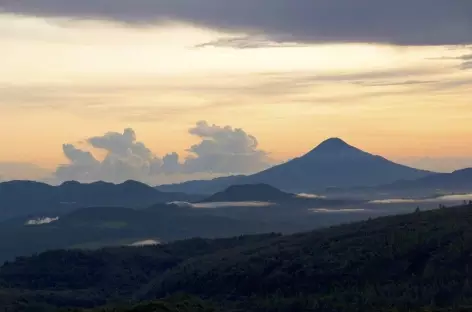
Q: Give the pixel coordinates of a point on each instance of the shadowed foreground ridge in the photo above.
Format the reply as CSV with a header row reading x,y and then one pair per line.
x,y
414,262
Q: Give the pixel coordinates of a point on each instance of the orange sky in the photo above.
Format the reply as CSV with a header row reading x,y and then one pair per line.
x,y
62,83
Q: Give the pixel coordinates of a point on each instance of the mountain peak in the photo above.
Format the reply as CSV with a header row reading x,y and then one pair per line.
x,y
70,183
333,143
332,146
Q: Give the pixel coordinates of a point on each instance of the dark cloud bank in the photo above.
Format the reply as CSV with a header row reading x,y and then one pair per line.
x,y
222,150
403,22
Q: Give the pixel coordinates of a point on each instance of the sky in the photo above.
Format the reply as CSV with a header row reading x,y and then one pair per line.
x,y
167,91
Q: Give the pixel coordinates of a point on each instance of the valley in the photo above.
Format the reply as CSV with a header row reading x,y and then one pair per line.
x,y
133,247
363,266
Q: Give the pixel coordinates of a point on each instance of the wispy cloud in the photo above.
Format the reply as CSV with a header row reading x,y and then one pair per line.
x,y
151,100
247,42
154,99
466,65
465,58
395,83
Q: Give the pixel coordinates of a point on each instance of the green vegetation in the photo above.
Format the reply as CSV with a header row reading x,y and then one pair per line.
x,y
417,262
110,226
179,303
115,224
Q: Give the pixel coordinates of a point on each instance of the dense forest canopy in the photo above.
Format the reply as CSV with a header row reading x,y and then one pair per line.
x,y
414,262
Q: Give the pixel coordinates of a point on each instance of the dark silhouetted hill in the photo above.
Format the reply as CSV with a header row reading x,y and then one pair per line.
x,y
436,184
21,198
250,192
460,180
207,187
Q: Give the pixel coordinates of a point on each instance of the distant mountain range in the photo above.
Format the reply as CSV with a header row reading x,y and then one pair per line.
x,y
460,180
433,185
332,168
21,198
40,219
333,163
207,187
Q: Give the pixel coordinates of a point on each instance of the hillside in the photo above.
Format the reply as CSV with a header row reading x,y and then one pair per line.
x,y
414,262
86,279
110,226
207,187
333,163
95,227
250,192
459,181
22,198
172,304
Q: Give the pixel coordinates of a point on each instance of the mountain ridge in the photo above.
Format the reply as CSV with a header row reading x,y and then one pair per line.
x,y
459,181
22,198
333,163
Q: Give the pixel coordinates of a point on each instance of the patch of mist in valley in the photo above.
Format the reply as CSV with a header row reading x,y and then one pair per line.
x,y
313,196
342,210
394,206
441,199
147,242
215,205
41,221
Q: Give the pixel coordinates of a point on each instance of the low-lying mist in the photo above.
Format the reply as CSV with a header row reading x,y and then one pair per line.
x,y
441,199
41,221
223,204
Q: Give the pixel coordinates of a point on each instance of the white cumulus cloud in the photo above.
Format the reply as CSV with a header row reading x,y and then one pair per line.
x,y
222,150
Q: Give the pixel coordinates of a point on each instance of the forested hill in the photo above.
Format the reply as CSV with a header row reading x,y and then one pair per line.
x,y
28,198
415,262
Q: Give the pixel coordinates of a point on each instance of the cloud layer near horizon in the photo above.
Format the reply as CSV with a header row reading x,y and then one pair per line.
x,y
403,22
222,150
